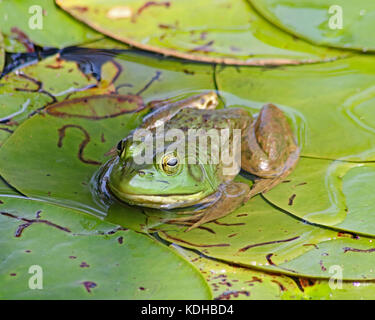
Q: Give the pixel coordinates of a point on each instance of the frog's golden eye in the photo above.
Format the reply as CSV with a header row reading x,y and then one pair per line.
x,y
170,163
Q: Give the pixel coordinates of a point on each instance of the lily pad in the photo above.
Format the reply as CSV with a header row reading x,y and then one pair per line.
x,y
230,282
82,257
222,31
330,105
260,236
2,53
330,193
336,23
31,22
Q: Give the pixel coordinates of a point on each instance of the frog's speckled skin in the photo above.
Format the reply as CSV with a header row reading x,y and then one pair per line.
x,y
268,151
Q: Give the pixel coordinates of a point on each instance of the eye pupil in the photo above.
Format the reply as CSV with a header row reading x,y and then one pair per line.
x,y
119,146
172,162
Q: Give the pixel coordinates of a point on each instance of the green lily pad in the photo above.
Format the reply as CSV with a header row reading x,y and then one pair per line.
x,y
330,105
230,282
2,53
336,23
330,193
258,235
197,30
34,22
82,257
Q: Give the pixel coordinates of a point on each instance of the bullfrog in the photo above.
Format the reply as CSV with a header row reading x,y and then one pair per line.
x,y
180,179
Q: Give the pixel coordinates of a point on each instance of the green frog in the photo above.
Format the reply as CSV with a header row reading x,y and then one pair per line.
x,y
201,189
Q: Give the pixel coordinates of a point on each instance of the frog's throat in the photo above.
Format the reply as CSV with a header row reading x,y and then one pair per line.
x,y
162,201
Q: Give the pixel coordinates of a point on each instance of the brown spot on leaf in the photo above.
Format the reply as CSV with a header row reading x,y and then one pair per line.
x,y
80,9
291,199
82,145
148,84
194,244
301,184
23,39
266,243
232,235
148,4
111,107
281,286
29,222
229,224
229,294
102,138
89,285
322,266
346,249
84,265
203,48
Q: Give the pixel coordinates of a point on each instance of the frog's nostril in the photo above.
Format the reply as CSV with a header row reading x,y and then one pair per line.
x,y
141,173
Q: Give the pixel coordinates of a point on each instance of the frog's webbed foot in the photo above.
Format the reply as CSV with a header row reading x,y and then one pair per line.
x,y
233,195
269,150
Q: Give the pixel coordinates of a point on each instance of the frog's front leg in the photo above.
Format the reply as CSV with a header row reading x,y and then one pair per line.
x,y
232,196
269,149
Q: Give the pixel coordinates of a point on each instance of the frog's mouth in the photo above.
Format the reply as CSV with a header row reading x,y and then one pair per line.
x,y
169,201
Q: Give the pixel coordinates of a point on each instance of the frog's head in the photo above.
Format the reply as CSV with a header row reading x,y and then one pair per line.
x,y
169,180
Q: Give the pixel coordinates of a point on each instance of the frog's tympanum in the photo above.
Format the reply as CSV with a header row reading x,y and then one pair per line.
x,y
180,176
